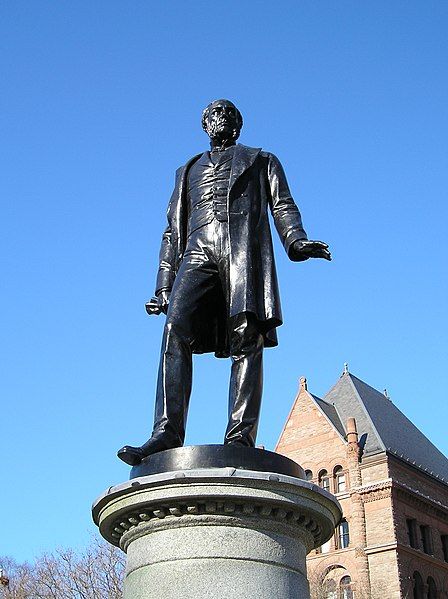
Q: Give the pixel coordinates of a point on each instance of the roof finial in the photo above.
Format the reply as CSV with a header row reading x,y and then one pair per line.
x,y
303,383
345,368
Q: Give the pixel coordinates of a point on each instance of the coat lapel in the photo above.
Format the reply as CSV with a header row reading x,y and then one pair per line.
x,y
243,158
183,175
205,160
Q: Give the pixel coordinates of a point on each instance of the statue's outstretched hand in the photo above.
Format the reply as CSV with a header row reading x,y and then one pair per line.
x,y
159,304
305,248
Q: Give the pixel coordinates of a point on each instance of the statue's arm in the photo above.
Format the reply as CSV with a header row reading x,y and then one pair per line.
x,y
166,273
165,277
285,212
167,255
167,259
288,220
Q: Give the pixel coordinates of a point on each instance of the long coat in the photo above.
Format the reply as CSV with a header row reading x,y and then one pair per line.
x,y
257,181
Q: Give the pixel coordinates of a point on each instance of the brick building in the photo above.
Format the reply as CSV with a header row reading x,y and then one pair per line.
x,y
392,483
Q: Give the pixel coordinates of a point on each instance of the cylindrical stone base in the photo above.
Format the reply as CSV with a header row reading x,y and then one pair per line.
x,y
216,533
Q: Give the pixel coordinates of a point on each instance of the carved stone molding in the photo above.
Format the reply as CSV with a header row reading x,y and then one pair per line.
x,y
375,491
220,497
268,516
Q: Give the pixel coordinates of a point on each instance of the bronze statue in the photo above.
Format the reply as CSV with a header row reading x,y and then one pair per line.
x,y
217,282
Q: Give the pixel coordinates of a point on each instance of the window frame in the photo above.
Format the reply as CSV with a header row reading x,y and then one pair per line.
x,y
324,476
426,539
345,587
444,541
339,474
432,588
411,526
343,534
418,587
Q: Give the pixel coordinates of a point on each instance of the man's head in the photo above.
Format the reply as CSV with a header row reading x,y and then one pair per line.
x,y
222,121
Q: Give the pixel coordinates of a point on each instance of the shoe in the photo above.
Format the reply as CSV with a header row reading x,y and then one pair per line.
x,y
134,455
131,455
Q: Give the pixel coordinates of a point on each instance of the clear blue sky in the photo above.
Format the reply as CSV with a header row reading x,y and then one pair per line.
x,y
101,102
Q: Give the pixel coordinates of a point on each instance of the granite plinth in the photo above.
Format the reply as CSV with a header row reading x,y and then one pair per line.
x,y
216,532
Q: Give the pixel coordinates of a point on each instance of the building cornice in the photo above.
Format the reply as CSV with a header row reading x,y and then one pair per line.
x,y
423,501
384,488
380,548
375,491
418,467
417,554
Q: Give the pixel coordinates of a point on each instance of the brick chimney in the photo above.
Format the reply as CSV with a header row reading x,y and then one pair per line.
x,y
353,452
352,432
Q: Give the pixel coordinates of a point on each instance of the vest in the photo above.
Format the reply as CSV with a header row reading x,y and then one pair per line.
x,y
208,186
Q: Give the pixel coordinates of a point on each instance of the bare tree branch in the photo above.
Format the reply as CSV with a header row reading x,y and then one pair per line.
x,y
96,573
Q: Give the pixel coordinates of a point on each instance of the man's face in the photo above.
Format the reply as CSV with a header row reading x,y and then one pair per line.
x,y
222,120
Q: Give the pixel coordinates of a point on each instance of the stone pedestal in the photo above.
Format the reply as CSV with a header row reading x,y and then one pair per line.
x,y
217,533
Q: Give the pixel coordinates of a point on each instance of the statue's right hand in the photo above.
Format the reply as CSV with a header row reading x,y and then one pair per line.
x,y
158,304
163,300
152,307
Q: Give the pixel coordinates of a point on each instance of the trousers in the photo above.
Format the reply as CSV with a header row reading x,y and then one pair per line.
x,y
204,271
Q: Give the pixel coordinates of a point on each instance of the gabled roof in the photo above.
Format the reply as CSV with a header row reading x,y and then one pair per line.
x,y
330,412
381,426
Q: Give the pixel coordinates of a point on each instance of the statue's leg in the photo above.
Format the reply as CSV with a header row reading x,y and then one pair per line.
x,y
173,383
172,396
195,280
193,283
246,380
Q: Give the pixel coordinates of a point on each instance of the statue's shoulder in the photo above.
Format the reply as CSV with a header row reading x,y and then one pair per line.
x,y
261,152
189,163
183,167
268,155
248,149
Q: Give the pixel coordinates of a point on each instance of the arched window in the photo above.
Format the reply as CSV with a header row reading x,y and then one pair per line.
x,y
432,590
343,535
331,590
418,586
324,480
308,474
340,483
346,588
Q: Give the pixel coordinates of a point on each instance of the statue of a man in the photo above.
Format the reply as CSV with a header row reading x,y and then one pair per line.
x,y
217,282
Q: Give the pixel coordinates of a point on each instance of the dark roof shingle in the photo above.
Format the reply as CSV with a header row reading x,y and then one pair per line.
x,y
382,426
